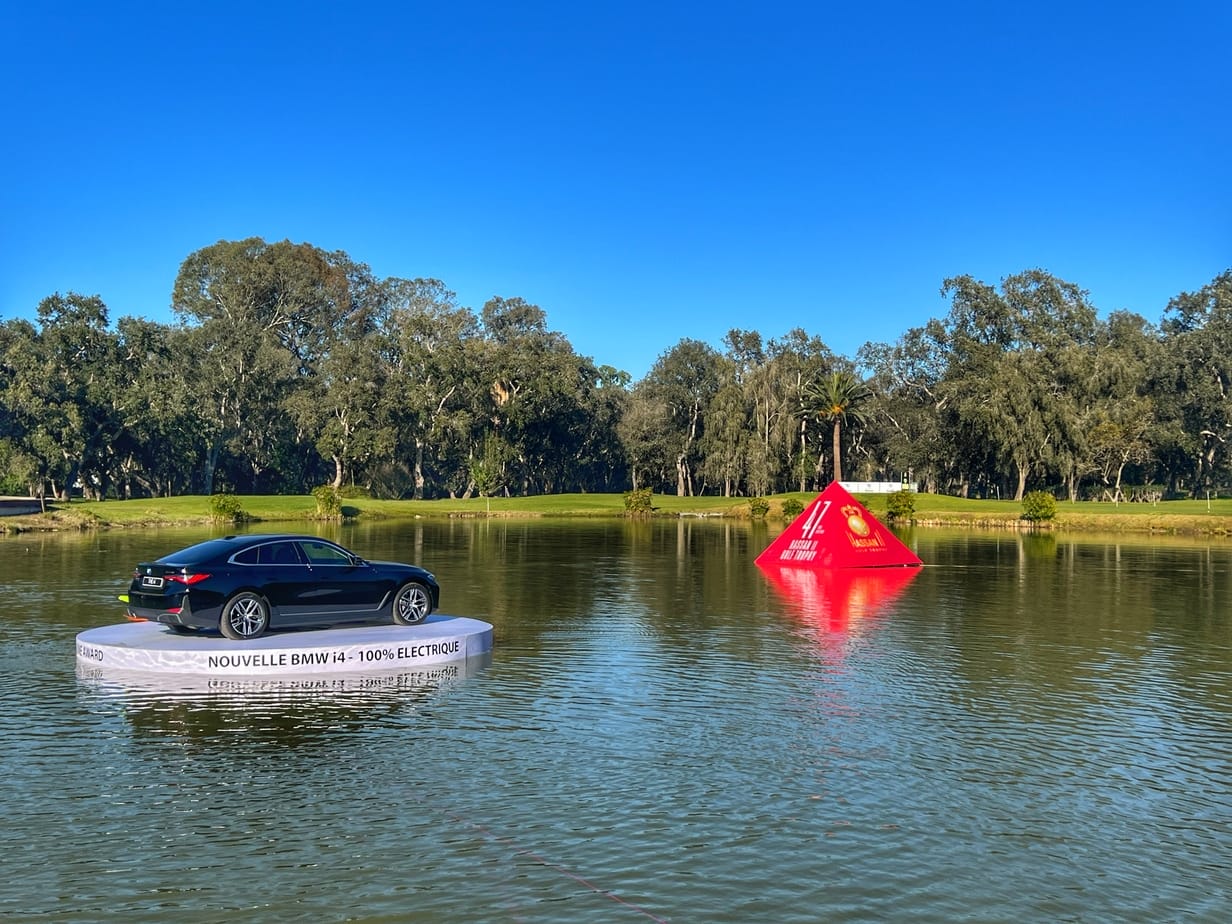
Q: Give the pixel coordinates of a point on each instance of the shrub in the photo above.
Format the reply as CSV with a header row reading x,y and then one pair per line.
x,y
639,502
329,501
759,507
793,507
900,506
1038,506
227,508
13,486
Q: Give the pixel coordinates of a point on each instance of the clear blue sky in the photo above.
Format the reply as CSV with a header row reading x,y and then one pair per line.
x,y
642,171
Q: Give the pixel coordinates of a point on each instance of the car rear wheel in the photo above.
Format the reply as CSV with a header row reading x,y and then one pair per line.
x,y
412,604
245,615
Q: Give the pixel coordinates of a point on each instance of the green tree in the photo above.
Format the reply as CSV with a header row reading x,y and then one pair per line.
x,y
1010,381
63,393
836,400
1194,381
793,361
725,443
264,317
28,450
909,404
338,395
159,446
488,468
682,383
601,461
543,397
432,353
646,439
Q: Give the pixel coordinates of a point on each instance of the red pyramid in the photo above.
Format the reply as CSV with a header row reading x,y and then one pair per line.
x,y
837,531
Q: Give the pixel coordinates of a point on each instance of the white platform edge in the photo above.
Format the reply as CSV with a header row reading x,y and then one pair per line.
x,y
147,646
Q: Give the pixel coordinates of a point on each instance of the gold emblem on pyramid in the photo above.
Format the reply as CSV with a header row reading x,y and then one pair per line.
x,y
855,522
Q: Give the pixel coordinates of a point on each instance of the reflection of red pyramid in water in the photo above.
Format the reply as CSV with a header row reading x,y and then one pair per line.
x,y
832,598
836,531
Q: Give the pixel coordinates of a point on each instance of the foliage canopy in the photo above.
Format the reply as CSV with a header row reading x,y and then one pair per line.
x,y
290,367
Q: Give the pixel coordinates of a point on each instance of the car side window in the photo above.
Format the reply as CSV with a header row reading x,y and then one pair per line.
x,y
322,553
279,553
246,557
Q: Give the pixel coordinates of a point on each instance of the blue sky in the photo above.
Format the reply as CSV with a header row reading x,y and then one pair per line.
x,y
644,172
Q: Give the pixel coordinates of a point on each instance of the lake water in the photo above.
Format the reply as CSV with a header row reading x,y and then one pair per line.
x,y
1027,729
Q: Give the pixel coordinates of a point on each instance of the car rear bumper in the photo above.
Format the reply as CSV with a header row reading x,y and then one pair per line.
x,y
155,609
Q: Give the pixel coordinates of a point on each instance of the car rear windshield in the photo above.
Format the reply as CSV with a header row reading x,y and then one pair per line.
x,y
202,551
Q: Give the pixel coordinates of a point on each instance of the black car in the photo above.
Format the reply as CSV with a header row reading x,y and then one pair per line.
x,y
243,585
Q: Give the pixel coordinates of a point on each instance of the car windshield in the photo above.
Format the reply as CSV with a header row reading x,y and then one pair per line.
x,y
194,554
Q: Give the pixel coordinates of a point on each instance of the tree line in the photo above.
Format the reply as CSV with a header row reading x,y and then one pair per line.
x,y
288,367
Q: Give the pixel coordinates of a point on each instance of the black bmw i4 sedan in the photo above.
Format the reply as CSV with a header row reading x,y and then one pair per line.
x,y
243,586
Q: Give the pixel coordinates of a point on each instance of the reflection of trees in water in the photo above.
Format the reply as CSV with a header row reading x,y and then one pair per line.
x,y
538,581
1079,617
239,713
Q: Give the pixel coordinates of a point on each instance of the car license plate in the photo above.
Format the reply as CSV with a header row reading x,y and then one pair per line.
x,y
148,581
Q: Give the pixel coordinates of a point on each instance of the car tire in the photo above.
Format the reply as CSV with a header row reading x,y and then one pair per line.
x,y
246,615
412,604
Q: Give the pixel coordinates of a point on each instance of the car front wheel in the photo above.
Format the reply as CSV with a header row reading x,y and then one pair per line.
x,y
412,604
245,615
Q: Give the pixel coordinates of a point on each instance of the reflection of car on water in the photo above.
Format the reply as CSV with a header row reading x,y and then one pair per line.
x,y
243,585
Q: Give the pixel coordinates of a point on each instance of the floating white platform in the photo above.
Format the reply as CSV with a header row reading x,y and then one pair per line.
x,y
148,646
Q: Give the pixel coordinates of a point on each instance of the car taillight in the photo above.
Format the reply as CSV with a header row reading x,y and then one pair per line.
x,y
188,579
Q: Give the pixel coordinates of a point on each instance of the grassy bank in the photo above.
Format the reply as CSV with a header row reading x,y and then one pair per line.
x,y
1190,517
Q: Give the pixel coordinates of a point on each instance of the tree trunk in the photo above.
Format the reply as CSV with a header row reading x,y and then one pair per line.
x,y
838,458
681,474
803,455
211,462
1022,482
337,472
418,473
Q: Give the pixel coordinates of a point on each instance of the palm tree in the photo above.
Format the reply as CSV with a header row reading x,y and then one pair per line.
x,y
835,400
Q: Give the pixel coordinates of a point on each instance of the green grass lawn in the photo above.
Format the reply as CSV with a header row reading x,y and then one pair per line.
x,y
1196,516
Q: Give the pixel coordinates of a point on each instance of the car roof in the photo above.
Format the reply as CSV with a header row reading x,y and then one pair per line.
x,y
230,545
248,539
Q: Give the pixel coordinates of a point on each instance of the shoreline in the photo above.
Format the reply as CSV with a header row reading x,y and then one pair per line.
x,y
1179,518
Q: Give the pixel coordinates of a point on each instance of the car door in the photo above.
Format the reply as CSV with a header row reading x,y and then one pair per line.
x,y
339,587
285,578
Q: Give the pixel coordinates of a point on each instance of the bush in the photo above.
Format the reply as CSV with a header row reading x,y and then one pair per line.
x,y
329,501
900,506
354,490
639,502
226,508
1038,506
13,486
759,507
793,507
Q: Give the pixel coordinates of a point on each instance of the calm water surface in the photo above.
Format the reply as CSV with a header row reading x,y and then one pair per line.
x,y
1029,729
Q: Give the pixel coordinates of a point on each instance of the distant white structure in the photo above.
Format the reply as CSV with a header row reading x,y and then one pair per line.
x,y
876,487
